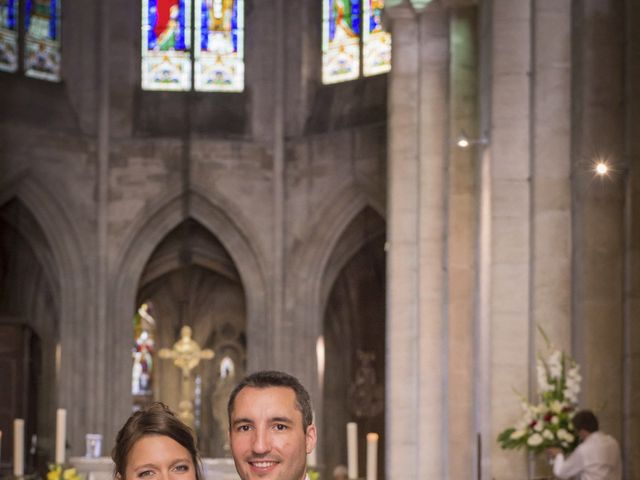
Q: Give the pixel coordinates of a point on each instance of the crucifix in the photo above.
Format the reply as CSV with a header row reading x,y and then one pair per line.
x,y
186,355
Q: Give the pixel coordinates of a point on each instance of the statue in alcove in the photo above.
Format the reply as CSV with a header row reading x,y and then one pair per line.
x,y
366,396
220,397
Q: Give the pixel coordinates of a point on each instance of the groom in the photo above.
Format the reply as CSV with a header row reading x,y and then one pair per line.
x,y
271,428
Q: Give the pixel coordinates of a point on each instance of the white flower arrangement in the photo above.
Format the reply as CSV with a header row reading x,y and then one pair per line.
x,y
548,423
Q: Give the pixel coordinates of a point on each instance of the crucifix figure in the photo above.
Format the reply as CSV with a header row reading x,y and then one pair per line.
x,y
186,355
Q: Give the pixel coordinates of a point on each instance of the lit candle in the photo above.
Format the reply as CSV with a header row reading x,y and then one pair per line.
x,y
18,447
372,456
352,450
61,434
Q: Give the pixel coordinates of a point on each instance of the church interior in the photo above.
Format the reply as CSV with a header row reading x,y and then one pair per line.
x,y
404,203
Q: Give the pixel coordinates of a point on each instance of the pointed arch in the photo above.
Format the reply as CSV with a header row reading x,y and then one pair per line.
x,y
227,223
309,264
311,273
74,286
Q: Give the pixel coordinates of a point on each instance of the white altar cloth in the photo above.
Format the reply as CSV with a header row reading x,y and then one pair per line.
x,y
102,468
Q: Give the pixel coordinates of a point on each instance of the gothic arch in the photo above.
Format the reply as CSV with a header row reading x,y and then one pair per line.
x,y
310,267
221,218
71,283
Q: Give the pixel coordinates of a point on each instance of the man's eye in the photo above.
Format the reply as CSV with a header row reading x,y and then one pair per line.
x,y
244,428
280,427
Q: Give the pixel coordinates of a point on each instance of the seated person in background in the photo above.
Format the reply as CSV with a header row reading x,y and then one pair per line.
x,y
154,444
596,458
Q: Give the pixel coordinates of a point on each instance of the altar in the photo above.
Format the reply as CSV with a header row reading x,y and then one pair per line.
x,y
101,468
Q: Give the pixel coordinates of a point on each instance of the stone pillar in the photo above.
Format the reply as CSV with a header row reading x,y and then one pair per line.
x,y
507,252
551,169
598,205
461,243
416,337
631,420
550,188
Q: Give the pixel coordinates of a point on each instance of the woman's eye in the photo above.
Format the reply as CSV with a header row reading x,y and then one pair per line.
x,y
145,474
182,468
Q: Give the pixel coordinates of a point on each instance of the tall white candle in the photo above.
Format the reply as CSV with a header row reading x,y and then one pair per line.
x,y
61,435
18,447
352,450
372,456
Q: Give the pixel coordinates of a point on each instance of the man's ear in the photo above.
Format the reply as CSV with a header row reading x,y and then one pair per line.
x,y
311,438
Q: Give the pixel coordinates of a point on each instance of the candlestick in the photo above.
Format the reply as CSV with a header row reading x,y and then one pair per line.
x,y
61,435
18,447
352,450
372,456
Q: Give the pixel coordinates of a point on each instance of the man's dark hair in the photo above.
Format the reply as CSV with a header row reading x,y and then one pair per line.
x,y
271,378
585,420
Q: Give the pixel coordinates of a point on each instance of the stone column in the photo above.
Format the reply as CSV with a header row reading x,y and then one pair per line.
x,y
507,252
550,188
461,243
551,169
631,420
416,337
598,205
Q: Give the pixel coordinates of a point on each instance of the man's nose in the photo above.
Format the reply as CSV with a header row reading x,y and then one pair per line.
x,y
261,441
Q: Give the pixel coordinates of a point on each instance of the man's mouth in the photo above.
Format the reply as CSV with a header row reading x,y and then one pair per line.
x,y
263,464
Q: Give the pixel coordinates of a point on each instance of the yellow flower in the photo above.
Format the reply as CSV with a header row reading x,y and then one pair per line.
x,y
70,474
57,473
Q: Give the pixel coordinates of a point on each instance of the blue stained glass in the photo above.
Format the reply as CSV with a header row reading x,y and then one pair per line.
x,y
234,26
153,18
355,16
12,17
344,14
180,35
53,19
27,14
167,25
204,30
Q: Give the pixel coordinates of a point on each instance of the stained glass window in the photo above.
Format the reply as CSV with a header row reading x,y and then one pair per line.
x,y
352,35
166,44
376,43
143,334
9,35
42,39
217,57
